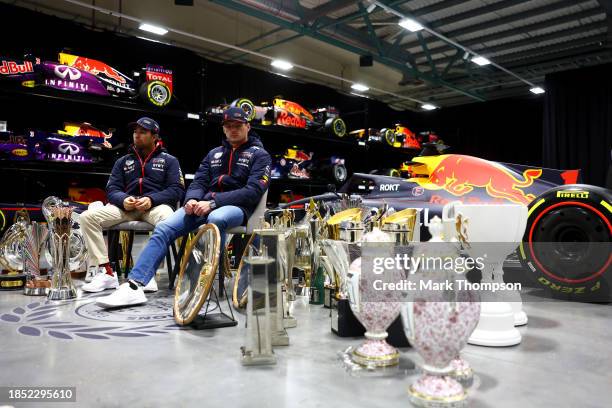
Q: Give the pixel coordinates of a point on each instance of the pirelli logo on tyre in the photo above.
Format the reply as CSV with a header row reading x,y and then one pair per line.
x,y
573,194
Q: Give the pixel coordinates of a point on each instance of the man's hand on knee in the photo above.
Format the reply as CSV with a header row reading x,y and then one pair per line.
x,y
202,208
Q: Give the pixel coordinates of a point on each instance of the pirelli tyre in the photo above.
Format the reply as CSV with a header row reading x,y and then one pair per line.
x,y
336,126
568,240
156,93
247,106
388,135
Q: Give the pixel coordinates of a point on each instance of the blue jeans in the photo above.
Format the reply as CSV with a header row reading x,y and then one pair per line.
x,y
179,224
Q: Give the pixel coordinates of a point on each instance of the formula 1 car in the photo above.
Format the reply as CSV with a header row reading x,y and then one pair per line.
x,y
282,112
153,84
77,142
567,243
400,136
301,165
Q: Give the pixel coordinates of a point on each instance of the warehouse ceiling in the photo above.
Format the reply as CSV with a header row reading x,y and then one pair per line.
x,y
523,39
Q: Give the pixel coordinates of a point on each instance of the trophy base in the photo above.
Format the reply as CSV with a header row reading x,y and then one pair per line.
x,y
250,359
462,372
520,318
12,281
35,291
430,391
280,338
328,294
62,294
343,321
375,353
289,322
496,326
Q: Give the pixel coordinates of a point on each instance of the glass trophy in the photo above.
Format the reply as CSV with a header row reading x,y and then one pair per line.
x,y
258,348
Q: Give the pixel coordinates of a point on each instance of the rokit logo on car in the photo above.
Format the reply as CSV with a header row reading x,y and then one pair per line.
x,y
389,187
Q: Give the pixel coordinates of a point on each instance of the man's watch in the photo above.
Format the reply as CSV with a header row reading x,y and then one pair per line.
x,y
212,204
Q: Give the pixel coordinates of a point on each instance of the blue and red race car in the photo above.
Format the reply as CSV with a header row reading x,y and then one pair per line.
x,y
567,243
152,84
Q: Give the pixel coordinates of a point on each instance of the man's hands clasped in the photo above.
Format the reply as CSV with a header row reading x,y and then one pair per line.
x,y
199,208
140,204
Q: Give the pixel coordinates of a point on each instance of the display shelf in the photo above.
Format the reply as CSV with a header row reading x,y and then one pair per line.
x,y
10,93
55,167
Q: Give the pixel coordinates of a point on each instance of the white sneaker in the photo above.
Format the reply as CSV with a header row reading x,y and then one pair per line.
x,y
151,286
91,272
126,295
101,281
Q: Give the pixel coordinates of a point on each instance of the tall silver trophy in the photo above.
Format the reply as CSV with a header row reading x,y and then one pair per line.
x,y
60,226
35,238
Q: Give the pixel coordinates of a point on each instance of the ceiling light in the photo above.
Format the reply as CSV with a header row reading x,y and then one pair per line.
x,y
410,25
281,64
371,8
480,61
153,29
360,87
429,106
537,90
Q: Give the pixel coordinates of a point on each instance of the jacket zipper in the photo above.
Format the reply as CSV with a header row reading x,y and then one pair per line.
x,y
142,166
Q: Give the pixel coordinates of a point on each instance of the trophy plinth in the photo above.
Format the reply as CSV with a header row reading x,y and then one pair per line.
x,y
437,392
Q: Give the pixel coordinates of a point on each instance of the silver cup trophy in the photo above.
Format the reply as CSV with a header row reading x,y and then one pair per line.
x,y
35,238
60,226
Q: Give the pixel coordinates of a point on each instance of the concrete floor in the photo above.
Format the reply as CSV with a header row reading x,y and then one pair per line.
x,y
139,358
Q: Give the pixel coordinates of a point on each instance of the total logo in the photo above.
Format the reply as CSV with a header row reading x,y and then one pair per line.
x,y
68,148
12,67
63,71
389,187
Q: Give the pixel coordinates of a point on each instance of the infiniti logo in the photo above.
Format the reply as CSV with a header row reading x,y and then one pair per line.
x,y
63,71
68,148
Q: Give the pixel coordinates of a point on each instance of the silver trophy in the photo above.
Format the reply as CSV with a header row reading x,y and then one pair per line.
x,y
60,227
35,238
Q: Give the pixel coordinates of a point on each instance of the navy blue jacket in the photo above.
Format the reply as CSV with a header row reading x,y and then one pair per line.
x,y
233,176
157,176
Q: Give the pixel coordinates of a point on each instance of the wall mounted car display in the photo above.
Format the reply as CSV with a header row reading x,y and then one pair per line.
x,y
282,112
77,143
566,247
152,84
298,164
399,136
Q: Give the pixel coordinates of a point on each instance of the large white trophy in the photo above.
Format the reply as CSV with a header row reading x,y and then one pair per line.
x,y
494,232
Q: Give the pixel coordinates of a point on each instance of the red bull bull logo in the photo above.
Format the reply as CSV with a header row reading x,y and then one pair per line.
x,y
459,175
92,66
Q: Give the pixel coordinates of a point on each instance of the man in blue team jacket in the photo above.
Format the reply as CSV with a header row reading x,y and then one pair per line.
x,y
146,184
227,187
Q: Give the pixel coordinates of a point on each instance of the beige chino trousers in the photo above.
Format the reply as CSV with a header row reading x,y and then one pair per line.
x,y
94,221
